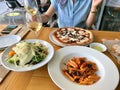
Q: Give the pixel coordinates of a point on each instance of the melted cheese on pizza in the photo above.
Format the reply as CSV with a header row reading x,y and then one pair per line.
x,y
73,35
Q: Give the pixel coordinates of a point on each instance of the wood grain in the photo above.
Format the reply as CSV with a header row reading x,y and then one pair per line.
x,y
23,32
39,79
3,73
16,30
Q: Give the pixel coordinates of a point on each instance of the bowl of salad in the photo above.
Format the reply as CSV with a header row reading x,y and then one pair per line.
x,y
27,55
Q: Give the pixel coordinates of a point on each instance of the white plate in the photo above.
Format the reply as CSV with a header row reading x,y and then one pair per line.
x,y
55,41
8,40
20,68
106,69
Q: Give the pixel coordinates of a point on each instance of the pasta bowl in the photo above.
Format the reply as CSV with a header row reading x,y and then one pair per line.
x,y
57,64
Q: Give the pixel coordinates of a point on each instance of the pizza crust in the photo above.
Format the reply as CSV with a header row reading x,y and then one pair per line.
x,y
73,36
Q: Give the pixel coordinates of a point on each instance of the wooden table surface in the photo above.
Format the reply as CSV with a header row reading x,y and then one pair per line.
x,y
39,79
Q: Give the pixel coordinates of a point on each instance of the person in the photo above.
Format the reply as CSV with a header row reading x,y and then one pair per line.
x,y
43,5
73,13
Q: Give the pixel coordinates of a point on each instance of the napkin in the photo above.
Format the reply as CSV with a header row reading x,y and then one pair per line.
x,y
109,44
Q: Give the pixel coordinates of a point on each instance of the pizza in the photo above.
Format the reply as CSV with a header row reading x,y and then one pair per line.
x,y
73,36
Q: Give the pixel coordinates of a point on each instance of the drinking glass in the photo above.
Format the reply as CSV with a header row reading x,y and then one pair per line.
x,y
33,18
31,7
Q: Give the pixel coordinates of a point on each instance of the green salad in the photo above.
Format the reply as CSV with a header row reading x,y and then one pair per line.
x,y
25,53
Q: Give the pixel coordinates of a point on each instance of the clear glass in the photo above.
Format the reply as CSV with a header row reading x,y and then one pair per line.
x,y
31,7
33,17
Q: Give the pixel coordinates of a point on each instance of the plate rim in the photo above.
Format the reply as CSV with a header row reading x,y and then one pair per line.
x,y
37,65
52,40
80,86
11,35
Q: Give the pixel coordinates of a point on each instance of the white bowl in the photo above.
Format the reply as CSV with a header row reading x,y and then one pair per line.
x,y
98,46
12,67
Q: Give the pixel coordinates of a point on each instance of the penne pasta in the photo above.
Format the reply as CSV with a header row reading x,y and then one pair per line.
x,y
81,71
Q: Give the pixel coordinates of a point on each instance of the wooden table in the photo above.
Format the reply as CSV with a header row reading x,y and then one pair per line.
x,y
39,79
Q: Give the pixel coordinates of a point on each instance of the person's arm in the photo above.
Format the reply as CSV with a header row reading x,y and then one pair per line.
x,y
48,14
92,15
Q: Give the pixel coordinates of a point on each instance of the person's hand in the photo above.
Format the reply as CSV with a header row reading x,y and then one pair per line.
x,y
95,4
36,18
33,18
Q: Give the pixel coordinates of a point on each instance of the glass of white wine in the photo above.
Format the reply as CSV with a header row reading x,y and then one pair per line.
x,y
31,7
33,19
